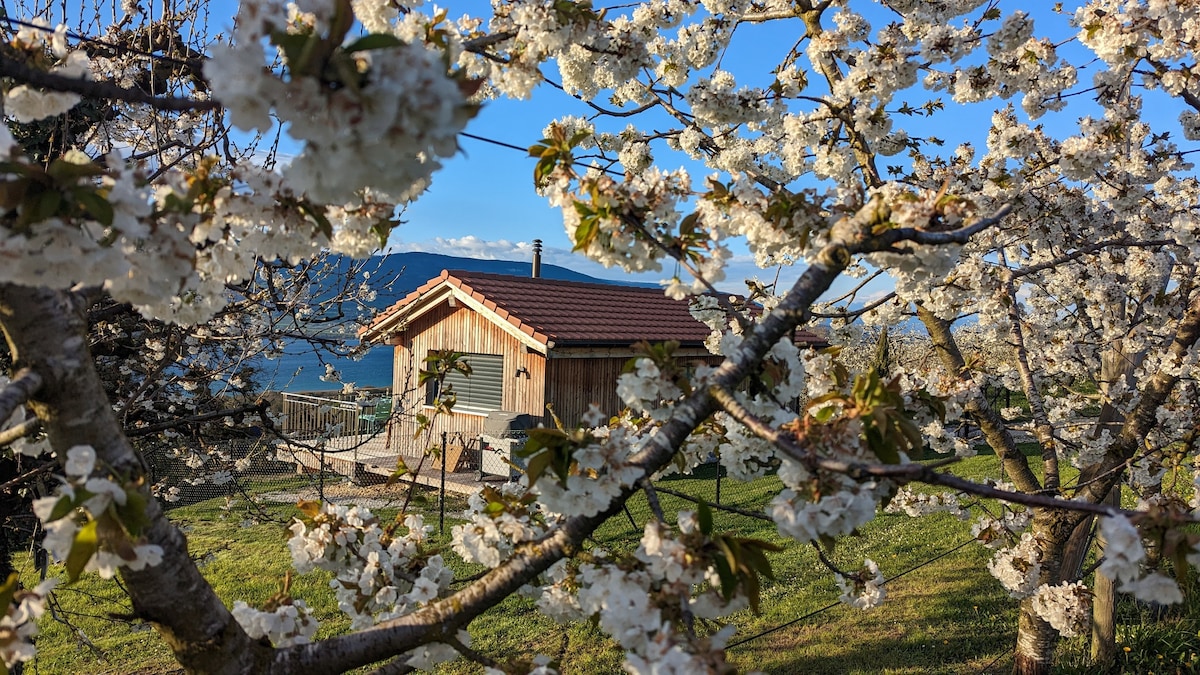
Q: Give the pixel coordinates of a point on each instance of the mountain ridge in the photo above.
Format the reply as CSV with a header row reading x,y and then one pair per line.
x,y
413,268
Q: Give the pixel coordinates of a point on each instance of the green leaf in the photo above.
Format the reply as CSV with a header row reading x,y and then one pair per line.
x,y
538,464
728,580
310,508
114,537
45,205
294,47
69,172
82,549
884,450
757,561
400,471
133,513
374,41
727,546
705,515
62,507
750,579
587,231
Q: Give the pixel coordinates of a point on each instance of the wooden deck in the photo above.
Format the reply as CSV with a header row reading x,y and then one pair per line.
x,y
367,458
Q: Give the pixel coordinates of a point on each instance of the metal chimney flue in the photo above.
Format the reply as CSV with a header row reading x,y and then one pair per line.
x,y
537,258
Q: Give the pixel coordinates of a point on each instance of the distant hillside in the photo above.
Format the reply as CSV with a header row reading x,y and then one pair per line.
x,y
410,270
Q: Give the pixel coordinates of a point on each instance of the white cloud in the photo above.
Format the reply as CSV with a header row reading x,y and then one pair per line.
x,y
469,246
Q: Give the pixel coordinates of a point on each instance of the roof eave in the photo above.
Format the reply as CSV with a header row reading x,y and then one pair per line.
x,y
432,298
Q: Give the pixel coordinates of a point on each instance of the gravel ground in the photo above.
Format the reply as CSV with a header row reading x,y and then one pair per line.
x,y
368,496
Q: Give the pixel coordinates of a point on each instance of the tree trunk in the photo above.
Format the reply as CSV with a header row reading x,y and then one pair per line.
x,y
47,333
1036,641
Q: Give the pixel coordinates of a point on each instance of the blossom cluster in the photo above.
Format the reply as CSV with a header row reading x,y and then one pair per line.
x,y
599,471
378,575
863,589
917,504
832,515
289,623
638,600
86,498
1065,606
1123,557
1018,568
18,624
404,109
491,534
25,103
645,390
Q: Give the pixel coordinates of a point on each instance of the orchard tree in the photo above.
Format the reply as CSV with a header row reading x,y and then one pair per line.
x,y
1068,236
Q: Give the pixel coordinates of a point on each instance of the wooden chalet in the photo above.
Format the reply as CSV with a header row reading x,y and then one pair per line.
x,y
530,342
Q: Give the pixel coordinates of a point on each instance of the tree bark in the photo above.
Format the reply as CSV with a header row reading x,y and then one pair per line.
x,y
1036,639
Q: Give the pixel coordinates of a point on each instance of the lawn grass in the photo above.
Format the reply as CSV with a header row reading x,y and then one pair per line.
x,y
944,612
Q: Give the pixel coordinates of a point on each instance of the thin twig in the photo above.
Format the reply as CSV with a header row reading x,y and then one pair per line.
x,y
23,430
652,499
257,406
45,468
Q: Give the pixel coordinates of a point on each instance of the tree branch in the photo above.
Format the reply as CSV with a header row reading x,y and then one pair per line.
x,y
901,473
959,236
45,468
989,421
256,407
47,330
98,90
17,392
1042,428
1145,414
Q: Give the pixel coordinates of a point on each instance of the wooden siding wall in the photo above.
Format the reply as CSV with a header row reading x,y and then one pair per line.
x,y
574,383
464,330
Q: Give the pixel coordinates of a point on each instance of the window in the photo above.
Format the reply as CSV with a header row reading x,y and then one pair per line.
x,y
483,390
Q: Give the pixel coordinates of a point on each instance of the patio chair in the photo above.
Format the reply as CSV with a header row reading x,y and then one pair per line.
x,y
373,421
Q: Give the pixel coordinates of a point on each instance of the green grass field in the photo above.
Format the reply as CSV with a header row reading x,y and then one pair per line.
x,y
944,612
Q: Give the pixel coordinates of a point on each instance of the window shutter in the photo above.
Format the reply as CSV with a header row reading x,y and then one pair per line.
x,y
484,389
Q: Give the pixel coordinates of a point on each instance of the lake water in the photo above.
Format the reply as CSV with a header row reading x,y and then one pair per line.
x,y
373,370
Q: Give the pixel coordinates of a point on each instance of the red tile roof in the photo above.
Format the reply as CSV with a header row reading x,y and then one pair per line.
x,y
571,312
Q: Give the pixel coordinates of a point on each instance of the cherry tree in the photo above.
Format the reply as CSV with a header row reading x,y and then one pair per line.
x,y
1068,236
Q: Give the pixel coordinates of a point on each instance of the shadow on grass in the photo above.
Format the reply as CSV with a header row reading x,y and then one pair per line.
x,y
955,626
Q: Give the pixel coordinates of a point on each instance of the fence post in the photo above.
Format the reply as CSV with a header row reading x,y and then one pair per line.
x,y
720,470
321,476
442,506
